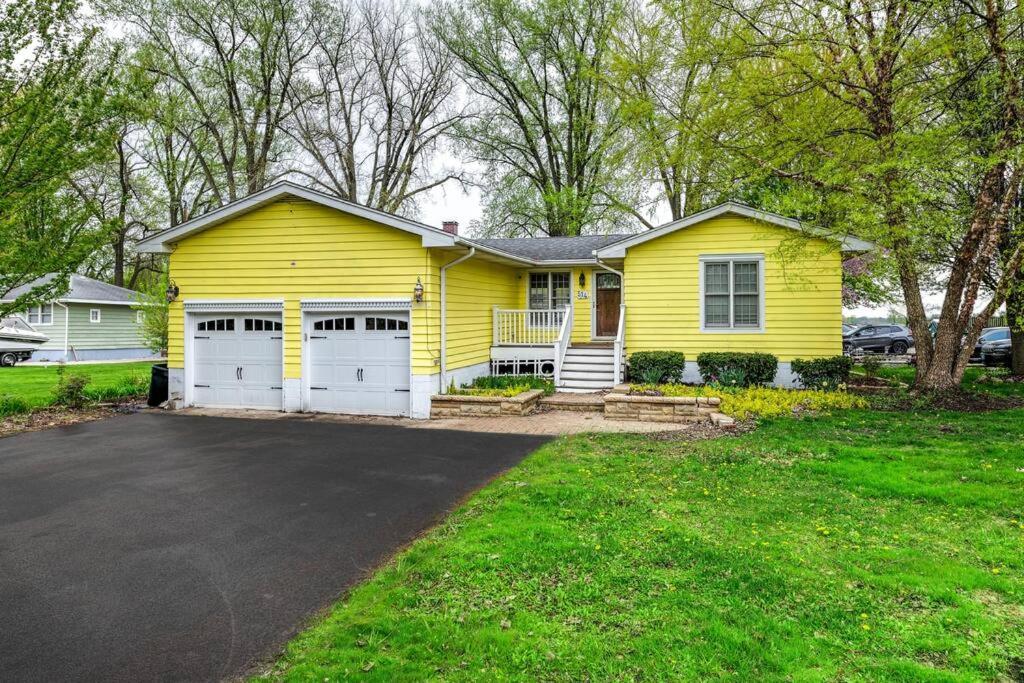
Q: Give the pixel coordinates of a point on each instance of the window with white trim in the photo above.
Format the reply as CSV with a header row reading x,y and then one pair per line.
x,y
550,291
39,315
733,293
94,315
138,317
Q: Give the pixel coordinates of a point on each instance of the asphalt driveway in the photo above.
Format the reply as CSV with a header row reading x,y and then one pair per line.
x,y
162,547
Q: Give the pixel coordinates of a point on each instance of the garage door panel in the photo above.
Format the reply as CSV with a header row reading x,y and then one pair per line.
x,y
359,368
237,364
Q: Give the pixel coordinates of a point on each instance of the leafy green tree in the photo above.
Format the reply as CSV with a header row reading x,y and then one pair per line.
x,y
56,114
547,128
153,305
849,103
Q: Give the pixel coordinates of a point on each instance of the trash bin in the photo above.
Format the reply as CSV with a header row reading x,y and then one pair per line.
x,y
158,385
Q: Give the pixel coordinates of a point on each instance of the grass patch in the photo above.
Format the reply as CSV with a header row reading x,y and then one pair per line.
x,y
858,546
504,385
34,384
757,402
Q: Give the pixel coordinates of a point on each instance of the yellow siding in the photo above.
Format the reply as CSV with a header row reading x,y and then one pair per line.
x,y
294,250
475,287
803,302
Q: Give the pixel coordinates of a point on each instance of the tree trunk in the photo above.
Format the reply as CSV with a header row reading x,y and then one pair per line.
x,y
1015,319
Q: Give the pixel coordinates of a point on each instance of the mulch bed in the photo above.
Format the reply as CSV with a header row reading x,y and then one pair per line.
x,y
55,416
863,382
958,401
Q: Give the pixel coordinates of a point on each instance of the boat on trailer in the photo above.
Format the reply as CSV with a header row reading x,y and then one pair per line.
x,y
18,340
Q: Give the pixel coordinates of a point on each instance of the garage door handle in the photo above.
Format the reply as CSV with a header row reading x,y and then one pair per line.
x,y
201,386
405,390
200,337
400,337
275,387
314,337
318,388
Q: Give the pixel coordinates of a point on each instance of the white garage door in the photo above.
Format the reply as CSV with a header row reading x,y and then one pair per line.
x,y
359,363
238,361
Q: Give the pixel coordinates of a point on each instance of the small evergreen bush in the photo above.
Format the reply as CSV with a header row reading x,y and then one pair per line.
x,y
756,368
657,367
823,373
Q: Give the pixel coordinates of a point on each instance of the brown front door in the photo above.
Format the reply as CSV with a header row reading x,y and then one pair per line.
x,y
609,296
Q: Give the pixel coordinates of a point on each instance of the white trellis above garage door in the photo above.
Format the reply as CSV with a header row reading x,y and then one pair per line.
x,y
358,362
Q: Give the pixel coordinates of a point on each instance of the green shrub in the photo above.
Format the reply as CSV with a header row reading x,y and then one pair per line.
x,y
729,377
823,373
13,405
872,364
504,385
757,368
655,367
70,391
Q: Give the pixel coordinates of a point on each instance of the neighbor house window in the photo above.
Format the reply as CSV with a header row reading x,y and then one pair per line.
x,y
732,292
550,290
138,317
94,315
40,315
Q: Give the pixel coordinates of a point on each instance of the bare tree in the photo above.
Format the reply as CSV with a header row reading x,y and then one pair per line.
x,y
235,62
375,106
546,128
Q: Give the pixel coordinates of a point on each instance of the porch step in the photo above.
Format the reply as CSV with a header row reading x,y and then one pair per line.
x,y
597,351
576,365
588,368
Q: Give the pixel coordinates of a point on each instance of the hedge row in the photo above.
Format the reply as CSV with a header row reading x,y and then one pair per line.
x,y
733,368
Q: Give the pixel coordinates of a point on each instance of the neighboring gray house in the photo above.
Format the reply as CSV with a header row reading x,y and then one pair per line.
x,y
92,321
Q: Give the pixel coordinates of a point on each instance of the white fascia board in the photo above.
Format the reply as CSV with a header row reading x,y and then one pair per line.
x,y
618,250
159,243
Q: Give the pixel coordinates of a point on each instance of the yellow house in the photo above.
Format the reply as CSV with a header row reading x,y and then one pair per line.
x,y
293,300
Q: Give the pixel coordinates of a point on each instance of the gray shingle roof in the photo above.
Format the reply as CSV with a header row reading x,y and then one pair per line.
x,y
82,288
551,248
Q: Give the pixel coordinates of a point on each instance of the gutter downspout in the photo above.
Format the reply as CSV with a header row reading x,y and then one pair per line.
x,y
67,315
444,316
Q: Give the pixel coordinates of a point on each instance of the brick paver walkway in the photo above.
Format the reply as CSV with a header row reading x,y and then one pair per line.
x,y
552,422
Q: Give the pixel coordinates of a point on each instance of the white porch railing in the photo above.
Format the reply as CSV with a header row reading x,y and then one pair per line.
x,y
522,327
562,343
620,337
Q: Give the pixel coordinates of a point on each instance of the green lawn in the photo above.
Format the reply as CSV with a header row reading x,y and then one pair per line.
x,y
867,545
35,383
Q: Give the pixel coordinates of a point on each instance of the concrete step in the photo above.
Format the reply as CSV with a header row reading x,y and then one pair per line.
x,y
588,360
575,401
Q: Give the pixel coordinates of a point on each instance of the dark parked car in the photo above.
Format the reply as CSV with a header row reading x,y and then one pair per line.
x,y
989,334
996,352
879,338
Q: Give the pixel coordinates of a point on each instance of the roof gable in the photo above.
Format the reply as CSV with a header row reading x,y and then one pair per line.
x,y
618,249
160,243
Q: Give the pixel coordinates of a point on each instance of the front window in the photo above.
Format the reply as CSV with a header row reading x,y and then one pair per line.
x,y
550,291
40,315
732,293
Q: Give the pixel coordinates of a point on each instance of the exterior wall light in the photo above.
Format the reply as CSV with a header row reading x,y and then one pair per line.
x,y
417,291
172,291
583,280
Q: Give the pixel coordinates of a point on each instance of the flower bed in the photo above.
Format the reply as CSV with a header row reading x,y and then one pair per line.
x,y
476,405
753,402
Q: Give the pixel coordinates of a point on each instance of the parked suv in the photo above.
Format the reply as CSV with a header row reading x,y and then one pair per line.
x,y
997,352
989,334
879,338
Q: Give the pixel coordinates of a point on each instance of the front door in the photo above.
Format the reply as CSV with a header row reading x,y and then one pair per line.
x,y
609,296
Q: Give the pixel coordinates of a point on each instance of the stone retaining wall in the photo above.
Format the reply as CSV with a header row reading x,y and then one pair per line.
x,y
621,406
453,405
